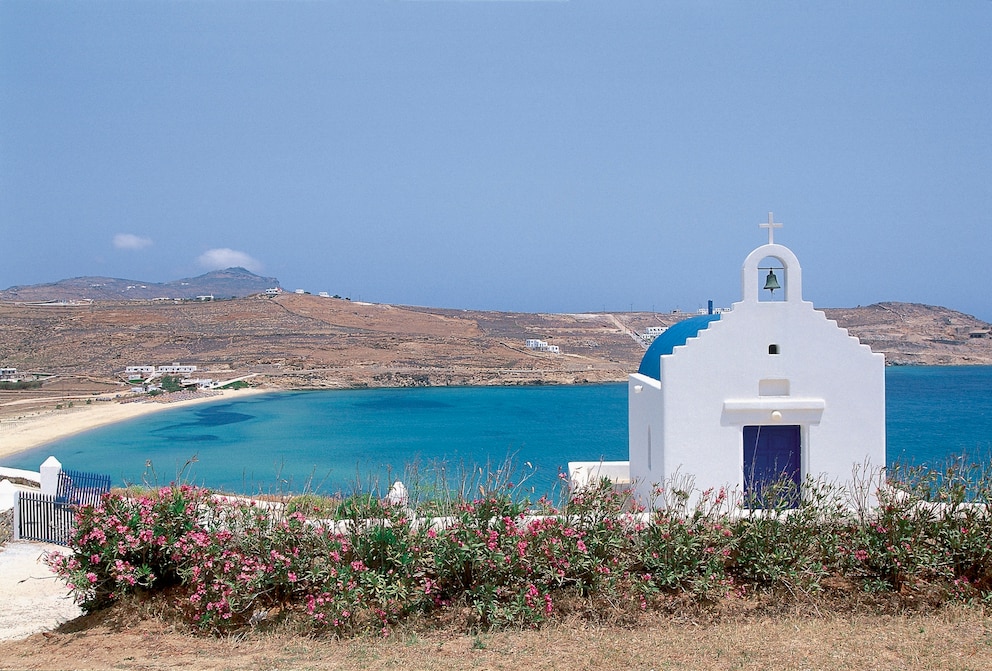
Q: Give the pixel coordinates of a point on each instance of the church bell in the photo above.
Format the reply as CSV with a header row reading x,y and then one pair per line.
x,y
771,282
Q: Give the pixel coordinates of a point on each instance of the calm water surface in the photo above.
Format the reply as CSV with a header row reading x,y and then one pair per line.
x,y
333,440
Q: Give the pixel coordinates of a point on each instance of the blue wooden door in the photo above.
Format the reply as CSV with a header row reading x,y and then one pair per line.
x,y
772,466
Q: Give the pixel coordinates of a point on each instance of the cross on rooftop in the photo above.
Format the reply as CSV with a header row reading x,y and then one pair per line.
x,y
771,226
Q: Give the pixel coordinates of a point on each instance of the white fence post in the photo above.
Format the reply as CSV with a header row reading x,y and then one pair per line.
x,y
50,471
16,522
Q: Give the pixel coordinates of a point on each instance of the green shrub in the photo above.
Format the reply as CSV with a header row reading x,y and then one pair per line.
x,y
171,383
7,385
238,384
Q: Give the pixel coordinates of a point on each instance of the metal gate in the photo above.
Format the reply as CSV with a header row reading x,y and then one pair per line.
x,y
51,519
41,517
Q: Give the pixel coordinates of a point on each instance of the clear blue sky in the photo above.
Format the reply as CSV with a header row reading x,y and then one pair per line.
x,y
533,156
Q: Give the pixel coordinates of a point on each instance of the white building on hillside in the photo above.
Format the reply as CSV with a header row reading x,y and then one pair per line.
x,y
176,368
140,370
652,332
542,346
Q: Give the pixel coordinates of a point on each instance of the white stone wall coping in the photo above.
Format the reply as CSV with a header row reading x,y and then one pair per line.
x,y
773,403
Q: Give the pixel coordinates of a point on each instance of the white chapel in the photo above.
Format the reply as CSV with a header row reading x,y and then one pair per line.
x,y
770,389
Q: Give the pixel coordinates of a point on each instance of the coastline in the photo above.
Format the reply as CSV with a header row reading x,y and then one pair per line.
x,y
40,426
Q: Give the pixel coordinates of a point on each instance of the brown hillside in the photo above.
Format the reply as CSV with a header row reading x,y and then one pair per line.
x,y
300,340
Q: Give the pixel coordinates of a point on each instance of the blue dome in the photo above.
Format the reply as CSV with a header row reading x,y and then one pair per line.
x,y
674,336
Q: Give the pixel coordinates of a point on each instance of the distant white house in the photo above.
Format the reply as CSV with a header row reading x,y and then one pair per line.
x,y
273,291
8,373
542,346
148,372
176,368
205,297
652,332
141,370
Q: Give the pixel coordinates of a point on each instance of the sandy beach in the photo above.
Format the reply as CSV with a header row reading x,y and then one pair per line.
x,y
32,427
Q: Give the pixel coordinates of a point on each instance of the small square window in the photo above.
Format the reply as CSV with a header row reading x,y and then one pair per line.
x,y
772,387
773,349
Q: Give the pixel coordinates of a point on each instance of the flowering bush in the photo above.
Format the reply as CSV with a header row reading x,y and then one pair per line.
x,y
127,545
225,564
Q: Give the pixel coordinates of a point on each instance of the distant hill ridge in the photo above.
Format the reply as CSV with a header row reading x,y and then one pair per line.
x,y
230,283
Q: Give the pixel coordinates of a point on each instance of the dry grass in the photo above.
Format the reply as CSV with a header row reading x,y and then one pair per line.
x,y
955,638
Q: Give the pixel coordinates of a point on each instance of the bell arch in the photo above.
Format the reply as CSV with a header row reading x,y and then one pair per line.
x,y
752,281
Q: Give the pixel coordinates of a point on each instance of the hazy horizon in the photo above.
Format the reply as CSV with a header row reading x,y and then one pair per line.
x,y
655,308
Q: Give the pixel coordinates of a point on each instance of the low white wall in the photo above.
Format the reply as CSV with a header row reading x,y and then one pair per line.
x,y
583,473
33,476
8,494
47,477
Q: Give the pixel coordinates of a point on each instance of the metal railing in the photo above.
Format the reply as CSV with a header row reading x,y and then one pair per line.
x,y
81,488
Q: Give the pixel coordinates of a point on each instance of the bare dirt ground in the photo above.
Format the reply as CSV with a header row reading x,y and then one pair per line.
x,y
308,341
953,640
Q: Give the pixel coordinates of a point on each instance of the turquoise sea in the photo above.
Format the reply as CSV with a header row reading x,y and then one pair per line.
x,y
331,441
